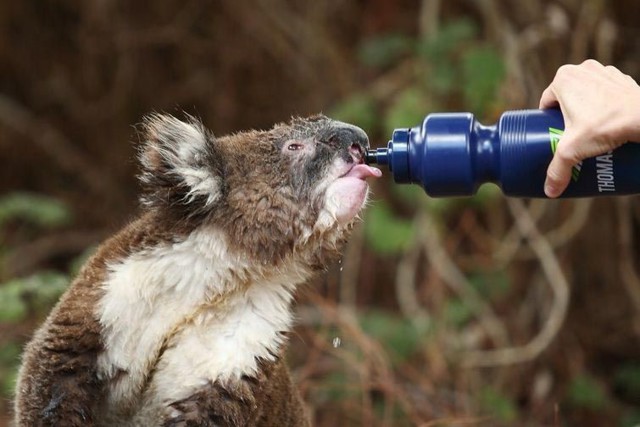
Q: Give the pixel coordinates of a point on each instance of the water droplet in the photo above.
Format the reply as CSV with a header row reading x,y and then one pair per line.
x,y
336,342
341,268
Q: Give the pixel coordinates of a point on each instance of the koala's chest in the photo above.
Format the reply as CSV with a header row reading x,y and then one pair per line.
x,y
171,325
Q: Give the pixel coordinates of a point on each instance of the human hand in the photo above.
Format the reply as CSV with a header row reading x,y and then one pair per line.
x,y
601,109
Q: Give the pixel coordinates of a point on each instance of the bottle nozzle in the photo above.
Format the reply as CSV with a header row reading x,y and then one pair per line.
x,y
370,157
378,156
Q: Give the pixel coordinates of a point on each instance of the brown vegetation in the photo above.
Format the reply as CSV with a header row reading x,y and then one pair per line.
x,y
486,311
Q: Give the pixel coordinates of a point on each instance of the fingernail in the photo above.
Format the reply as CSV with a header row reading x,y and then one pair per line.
x,y
550,190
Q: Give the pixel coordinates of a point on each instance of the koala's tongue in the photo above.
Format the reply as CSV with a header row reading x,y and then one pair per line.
x,y
348,193
362,171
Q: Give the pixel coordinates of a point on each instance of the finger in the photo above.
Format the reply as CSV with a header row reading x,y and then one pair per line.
x,y
558,176
548,98
592,64
613,70
616,73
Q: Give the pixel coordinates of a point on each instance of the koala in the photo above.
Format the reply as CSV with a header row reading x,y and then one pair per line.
x,y
181,318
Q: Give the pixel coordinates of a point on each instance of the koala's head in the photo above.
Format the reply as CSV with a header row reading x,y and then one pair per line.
x,y
296,188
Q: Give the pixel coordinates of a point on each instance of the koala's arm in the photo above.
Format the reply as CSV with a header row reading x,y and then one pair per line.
x,y
58,383
270,399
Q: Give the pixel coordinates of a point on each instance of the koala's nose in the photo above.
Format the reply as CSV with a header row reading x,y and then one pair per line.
x,y
347,135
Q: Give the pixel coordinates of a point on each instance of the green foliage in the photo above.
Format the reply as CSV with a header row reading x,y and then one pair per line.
x,y
25,298
337,387
498,405
586,392
630,419
398,415
490,283
486,195
382,51
627,380
9,380
9,361
442,55
482,72
78,262
457,312
441,207
448,65
36,209
448,40
460,66
407,110
359,110
410,194
446,206
400,337
9,353
386,233
34,294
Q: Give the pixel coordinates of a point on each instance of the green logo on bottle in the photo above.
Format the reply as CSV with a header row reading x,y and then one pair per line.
x,y
554,139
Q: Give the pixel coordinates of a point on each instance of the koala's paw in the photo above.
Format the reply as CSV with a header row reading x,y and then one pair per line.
x,y
187,414
212,406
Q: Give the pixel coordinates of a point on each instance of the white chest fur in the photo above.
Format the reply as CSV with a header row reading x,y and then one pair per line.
x,y
219,311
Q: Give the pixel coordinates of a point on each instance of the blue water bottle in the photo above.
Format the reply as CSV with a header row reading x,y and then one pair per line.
x,y
452,154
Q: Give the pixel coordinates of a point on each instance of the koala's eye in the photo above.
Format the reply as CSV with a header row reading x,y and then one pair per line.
x,y
294,146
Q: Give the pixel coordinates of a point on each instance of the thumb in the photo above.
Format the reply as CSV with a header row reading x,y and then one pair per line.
x,y
548,98
560,168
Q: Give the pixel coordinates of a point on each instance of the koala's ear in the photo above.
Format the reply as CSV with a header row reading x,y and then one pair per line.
x,y
179,165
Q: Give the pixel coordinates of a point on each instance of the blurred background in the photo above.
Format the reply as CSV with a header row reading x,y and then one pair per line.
x,y
477,311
